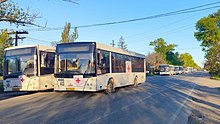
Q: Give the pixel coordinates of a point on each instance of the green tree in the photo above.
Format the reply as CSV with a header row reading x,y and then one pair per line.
x,y
74,35
213,59
208,33
208,30
122,44
160,46
173,58
65,33
5,41
187,60
10,12
66,37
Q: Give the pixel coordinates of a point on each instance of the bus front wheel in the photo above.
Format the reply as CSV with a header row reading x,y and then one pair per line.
x,y
110,86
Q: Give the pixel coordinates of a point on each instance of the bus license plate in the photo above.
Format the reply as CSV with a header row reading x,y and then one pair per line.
x,y
70,88
15,89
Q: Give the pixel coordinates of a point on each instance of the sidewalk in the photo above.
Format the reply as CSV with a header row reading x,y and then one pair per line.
x,y
206,101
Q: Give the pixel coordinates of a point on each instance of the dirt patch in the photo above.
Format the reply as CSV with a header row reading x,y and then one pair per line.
x,y
205,103
196,118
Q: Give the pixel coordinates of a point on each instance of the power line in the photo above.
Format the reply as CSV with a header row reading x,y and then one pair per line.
x,y
178,12
39,40
167,32
71,1
159,28
146,18
176,30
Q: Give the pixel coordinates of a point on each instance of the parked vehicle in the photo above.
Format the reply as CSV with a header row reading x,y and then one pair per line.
x,y
91,66
29,68
166,69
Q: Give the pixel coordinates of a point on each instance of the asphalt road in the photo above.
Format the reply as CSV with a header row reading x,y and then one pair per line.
x,y
162,99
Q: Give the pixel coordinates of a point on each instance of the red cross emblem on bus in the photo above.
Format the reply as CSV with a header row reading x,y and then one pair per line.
x,y
22,79
78,80
128,68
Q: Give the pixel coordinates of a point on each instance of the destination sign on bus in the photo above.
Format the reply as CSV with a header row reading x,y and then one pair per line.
x,y
21,51
75,48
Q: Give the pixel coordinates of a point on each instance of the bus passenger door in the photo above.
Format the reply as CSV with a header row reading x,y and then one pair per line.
x,y
47,79
103,69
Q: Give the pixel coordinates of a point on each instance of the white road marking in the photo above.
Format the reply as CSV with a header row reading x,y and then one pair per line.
x,y
183,103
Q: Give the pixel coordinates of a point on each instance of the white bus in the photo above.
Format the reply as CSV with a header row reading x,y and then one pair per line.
x,y
178,69
166,69
29,68
91,66
188,70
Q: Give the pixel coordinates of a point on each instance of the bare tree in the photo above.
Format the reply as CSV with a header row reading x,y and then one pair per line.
x,y
155,59
122,44
10,12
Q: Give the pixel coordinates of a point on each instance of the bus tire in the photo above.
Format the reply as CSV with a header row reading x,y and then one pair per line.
x,y
135,82
110,86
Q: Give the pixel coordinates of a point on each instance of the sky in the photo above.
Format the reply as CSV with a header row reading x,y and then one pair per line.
x,y
177,29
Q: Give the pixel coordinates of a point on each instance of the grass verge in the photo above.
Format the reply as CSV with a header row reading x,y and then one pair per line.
x,y
215,77
150,74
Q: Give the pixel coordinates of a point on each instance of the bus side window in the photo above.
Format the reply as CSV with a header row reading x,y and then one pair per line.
x,y
103,62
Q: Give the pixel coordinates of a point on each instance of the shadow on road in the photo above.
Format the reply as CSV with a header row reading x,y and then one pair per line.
x,y
157,101
77,95
206,107
8,95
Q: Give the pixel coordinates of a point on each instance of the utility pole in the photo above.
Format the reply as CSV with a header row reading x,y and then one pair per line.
x,y
113,43
17,36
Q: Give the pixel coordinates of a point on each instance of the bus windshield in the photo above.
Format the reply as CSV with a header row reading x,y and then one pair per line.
x,y
75,59
177,68
20,61
164,68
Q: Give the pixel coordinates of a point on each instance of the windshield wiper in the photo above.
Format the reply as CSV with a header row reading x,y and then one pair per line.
x,y
69,72
74,71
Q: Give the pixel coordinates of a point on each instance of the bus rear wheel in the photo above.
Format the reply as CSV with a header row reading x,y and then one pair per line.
x,y
110,86
135,82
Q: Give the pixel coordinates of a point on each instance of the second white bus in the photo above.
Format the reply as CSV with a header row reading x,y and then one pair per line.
x,y
91,66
